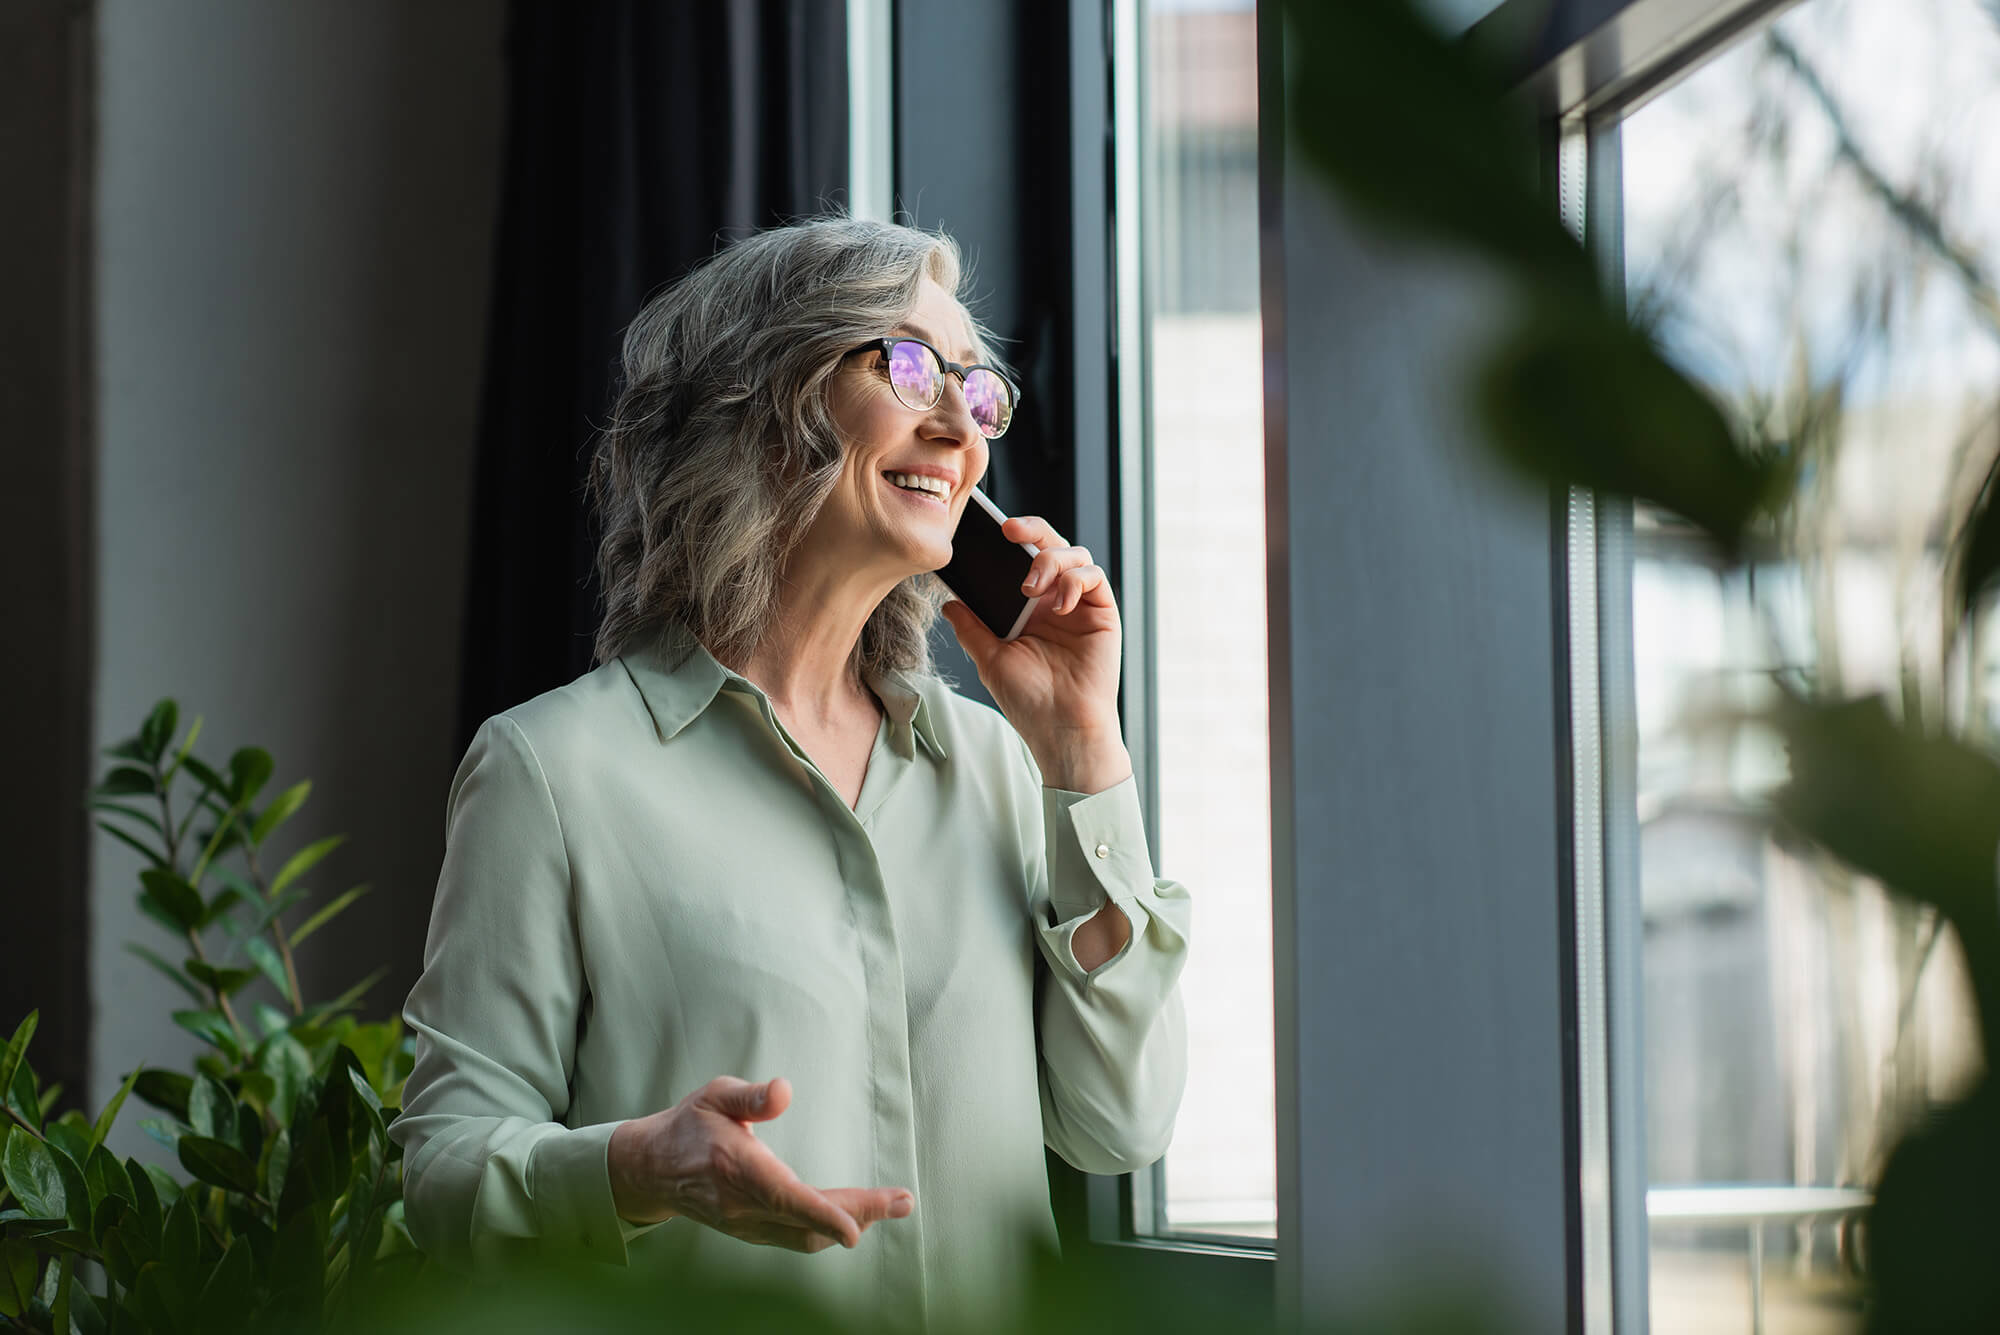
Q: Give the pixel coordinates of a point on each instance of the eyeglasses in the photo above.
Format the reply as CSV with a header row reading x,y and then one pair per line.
x,y
917,371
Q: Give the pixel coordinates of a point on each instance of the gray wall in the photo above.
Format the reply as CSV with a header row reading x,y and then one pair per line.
x,y
294,224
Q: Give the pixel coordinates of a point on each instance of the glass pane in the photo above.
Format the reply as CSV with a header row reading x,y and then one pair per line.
x,y
1809,222
1203,347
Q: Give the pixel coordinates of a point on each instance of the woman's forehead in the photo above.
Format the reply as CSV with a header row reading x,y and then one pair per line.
x,y
941,321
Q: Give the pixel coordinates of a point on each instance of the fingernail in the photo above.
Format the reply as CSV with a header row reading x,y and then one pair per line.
x,y
1027,586
900,1207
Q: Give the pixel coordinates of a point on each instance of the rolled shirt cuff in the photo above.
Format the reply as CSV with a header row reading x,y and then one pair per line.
x,y
571,1186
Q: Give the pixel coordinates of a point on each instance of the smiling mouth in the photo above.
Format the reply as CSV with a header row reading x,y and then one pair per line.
x,y
931,496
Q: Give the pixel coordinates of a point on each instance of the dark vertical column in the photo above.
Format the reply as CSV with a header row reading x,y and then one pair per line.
x,y
640,138
1415,784
983,144
47,533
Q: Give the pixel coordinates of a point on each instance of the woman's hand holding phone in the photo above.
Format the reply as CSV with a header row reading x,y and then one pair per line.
x,y
1057,681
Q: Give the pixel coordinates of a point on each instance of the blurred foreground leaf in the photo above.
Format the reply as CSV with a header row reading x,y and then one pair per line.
x,y
1579,399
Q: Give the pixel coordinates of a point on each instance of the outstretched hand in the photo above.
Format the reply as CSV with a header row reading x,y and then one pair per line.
x,y
701,1158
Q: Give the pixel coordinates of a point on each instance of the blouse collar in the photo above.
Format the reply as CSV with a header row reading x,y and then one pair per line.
x,y
679,679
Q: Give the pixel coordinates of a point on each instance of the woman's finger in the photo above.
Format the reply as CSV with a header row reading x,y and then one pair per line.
x,y
1044,569
733,1097
871,1205
793,1202
1035,529
1075,584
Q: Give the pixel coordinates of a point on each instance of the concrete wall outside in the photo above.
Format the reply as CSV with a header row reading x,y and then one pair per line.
x,y
294,224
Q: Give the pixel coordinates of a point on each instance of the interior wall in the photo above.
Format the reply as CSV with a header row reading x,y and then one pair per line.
x,y
46,548
293,232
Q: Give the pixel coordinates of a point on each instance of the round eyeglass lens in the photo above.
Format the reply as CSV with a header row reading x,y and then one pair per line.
x,y
915,375
991,402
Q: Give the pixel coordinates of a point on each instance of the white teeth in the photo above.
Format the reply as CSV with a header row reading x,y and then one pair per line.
x,y
937,486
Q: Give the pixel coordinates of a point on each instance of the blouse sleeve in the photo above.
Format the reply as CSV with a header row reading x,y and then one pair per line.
x,y
490,1168
1113,1039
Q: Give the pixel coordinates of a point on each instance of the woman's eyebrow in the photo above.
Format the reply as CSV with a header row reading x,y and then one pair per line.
x,y
907,327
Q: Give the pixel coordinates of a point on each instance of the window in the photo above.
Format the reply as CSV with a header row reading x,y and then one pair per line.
x,y
1188,125
1808,225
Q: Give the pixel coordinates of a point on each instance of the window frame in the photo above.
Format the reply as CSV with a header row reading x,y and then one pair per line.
x,y
1052,257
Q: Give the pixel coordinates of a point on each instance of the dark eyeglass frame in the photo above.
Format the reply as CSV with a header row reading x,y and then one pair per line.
x,y
886,346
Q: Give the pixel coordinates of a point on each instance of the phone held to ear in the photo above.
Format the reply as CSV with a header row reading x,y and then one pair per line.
x,y
987,568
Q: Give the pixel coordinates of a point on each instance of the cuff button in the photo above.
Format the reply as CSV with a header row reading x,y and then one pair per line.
x,y
1104,850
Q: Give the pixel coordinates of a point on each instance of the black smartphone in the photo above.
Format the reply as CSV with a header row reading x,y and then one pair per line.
x,y
987,568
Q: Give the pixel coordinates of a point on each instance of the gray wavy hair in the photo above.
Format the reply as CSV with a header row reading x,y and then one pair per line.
x,y
721,447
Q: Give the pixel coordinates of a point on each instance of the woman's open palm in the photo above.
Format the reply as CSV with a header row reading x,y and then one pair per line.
x,y
701,1158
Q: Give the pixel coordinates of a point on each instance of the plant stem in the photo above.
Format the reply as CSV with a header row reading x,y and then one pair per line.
x,y
221,1001
23,1124
167,827
277,932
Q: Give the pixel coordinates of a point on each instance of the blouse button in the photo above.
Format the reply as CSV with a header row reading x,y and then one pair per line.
x,y
1104,850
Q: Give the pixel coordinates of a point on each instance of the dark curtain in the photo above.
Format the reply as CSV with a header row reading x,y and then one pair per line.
x,y
639,135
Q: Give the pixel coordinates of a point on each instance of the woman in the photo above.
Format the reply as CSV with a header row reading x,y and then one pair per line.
x,y
763,842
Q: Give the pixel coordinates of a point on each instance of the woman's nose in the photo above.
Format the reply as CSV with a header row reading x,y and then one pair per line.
x,y
956,413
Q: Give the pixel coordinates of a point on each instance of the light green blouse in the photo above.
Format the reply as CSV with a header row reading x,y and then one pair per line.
x,y
648,884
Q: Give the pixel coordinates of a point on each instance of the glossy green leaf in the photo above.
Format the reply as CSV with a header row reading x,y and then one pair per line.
x,y
180,1244
134,814
146,1202
210,1025
165,1186
1920,813
105,1176
87,1317
327,913
179,979
265,956
33,1174
205,775
1577,397
218,1162
157,911
281,810
158,862
121,1255
17,1047
298,1266
270,1020
161,1296
110,1211
159,728
220,903
225,1301
249,1136
303,861
185,749
279,1163
164,1089
372,1103
23,1098
109,1113
227,981
59,1308
162,1131
249,770
288,1065
279,904
212,1109
70,1133
180,899
226,835
127,781
18,1266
